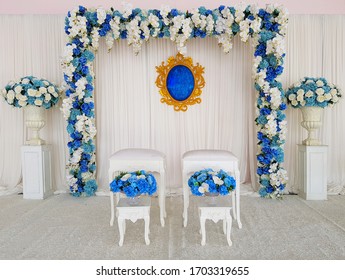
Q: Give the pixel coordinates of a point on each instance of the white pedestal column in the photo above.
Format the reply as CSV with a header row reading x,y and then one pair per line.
x,y
36,168
312,175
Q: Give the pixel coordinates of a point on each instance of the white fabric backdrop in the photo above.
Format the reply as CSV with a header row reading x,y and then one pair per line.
x,y
128,108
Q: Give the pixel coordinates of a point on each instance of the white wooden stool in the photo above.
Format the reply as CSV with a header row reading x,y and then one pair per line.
x,y
215,212
196,160
130,160
127,210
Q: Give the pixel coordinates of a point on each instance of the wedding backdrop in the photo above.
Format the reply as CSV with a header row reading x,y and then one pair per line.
x,y
128,109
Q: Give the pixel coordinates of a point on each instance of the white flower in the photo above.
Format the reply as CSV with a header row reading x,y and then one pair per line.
x,y
335,98
300,97
309,93
32,92
204,187
319,83
328,96
22,103
320,91
10,94
47,97
18,89
51,89
292,97
25,81
141,177
333,92
38,102
320,98
217,181
101,15
125,177
294,102
42,90
300,92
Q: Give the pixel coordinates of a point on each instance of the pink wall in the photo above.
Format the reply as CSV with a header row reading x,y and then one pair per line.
x,y
62,6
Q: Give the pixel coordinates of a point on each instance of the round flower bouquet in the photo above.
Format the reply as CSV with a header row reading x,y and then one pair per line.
x,y
209,181
311,95
313,92
31,91
134,183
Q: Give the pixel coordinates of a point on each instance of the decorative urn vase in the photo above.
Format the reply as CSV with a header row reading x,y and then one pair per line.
x,y
35,120
312,121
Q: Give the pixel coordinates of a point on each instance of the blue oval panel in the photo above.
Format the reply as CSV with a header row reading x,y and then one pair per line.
x,y
180,82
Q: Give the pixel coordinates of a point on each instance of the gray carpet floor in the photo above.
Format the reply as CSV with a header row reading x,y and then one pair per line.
x,y
65,227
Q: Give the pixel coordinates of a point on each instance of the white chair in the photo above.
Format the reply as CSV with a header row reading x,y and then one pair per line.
x,y
196,160
130,160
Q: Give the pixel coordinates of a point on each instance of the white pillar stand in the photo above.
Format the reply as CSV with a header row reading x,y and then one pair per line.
x,y
312,172
36,168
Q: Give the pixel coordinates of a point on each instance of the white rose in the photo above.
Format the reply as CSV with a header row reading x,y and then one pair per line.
x,y
328,96
201,190
10,101
47,97
32,92
300,98
18,89
320,91
320,98
38,102
141,177
46,83
300,92
309,81
125,177
303,103
22,97
294,102
319,83
335,99
292,97
333,92
51,89
25,81
42,90
22,103
309,93
10,94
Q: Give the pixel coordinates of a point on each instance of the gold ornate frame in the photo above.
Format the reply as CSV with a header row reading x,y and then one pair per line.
x,y
161,81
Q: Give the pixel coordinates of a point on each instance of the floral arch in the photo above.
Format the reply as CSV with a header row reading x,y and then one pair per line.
x,y
84,27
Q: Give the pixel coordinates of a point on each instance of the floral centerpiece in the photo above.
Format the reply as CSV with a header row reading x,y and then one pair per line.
x,y
313,92
209,181
134,183
311,95
31,91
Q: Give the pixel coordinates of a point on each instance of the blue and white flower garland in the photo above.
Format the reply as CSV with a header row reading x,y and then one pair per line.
x,y
84,27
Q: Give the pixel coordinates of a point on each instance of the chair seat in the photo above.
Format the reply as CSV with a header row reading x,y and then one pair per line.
x,y
137,154
209,155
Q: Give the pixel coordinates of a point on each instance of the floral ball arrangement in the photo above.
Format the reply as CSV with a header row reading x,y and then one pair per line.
x,y
31,91
134,183
207,180
315,92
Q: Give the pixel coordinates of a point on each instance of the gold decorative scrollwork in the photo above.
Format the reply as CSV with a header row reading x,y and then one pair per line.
x,y
199,82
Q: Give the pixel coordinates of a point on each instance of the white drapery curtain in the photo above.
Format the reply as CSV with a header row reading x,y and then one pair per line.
x,y
128,108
